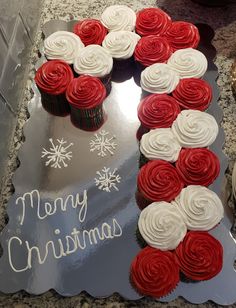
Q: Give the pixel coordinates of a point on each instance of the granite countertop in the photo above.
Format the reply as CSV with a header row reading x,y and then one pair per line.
x,y
224,24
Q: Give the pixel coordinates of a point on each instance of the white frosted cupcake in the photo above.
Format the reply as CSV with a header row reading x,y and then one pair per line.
x,y
195,129
200,207
121,46
119,17
159,144
95,61
63,45
188,63
159,78
162,226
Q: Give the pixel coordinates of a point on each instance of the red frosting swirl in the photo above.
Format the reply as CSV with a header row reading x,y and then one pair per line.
x,y
193,93
53,77
198,166
158,110
158,180
182,34
85,92
152,49
152,21
90,31
200,255
154,272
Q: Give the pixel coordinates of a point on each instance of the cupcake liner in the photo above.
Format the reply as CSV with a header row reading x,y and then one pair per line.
x,y
141,201
140,240
141,131
55,104
142,160
123,75
185,279
87,119
106,80
123,64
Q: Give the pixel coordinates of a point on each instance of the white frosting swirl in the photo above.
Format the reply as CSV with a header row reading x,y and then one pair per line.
x,y
121,44
63,45
93,60
160,143
195,129
200,207
159,78
162,226
119,17
188,63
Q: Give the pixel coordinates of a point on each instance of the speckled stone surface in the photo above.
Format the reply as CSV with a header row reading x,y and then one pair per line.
x,y
224,24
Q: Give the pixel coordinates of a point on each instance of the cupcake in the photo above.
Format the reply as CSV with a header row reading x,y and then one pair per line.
x,y
182,34
86,95
95,61
121,45
195,129
63,45
198,166
188,63
52,80
157,111
200,208
159,78
193,93
200,256
150,50
152,21
159,144
162,226
154,272
90,31
158,180
118,18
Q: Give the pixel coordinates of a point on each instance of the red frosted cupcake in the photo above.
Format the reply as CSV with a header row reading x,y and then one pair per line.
x,y
90,31
86,95
182,34
200,256
152,49
198,166
52,80
152,21
193,93
157,111
158,180
154,272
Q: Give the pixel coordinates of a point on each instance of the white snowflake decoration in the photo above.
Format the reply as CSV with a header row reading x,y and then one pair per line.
x,y
58,154
103,144
107,179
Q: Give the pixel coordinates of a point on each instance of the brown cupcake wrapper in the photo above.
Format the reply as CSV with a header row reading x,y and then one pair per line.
x,y
87,119
55,104
142,160
141,131
141,201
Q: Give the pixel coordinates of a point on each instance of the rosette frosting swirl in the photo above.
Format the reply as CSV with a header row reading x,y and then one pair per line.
x,y
85,92
158,180
162,226
119,17
200,256
182,34
160,144
193,93
90,31
188,63
63,45
93,60
198,166
158,110
195,129
200,207
152,49
54,76
159,78
121,44
155,272
152,21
